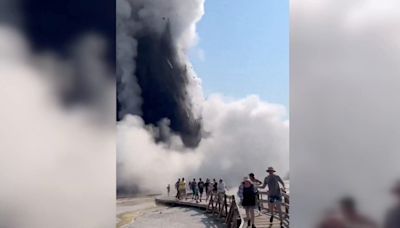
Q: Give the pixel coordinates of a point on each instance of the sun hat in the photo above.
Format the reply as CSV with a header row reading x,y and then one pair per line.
x,y
270,169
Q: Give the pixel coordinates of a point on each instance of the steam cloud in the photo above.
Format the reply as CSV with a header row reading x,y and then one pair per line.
x,y
57,150
246,135
51,156
159,97
344,105
153,76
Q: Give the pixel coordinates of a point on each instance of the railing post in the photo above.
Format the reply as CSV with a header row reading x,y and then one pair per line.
x,y
286,199
230,213
225,204
214,204
222,205
210,202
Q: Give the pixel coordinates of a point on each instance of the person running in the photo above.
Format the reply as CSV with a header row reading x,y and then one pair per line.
x,y
168,189
247,194
392,219
200,185
177,188
182,189
274,193
257,183
207,187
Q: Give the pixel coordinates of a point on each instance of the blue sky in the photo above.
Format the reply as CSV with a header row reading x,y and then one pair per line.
x,y
246,49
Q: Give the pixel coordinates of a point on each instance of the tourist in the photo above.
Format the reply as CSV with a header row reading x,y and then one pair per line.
x,y
221,190
207,187
192,187
177,188
168,189
254,179
274,193
182,189
195,191
257,183
214,186
346,217
247,194
330,219
351,217
201,188
393,216
214,189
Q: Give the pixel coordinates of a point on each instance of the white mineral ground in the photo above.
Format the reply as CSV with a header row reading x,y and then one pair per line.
x,y
142,212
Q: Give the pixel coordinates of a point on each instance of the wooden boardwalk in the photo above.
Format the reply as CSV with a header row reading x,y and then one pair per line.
x,y
229,211
172,201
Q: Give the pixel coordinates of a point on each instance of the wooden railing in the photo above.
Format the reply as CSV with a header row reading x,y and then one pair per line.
x,y
224,206
285,206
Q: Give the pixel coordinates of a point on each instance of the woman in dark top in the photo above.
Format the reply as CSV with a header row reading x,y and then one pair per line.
x,y
247,195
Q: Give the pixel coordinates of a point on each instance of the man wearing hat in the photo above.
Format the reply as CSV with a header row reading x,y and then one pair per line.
x,y
393,216
274,192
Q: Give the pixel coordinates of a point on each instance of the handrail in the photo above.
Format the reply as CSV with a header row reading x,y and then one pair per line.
x,y
285,203
225,205
220,205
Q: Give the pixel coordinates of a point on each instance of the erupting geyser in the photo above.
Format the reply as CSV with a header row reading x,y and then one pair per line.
x,y
162,79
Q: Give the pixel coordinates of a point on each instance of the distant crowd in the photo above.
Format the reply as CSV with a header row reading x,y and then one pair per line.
x,y
198,188
248,193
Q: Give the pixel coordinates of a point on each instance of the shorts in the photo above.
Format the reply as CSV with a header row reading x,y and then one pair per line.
x,y
275,199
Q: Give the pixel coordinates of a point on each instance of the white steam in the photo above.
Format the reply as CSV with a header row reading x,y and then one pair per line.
x,y
344,105
245,136
57,165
